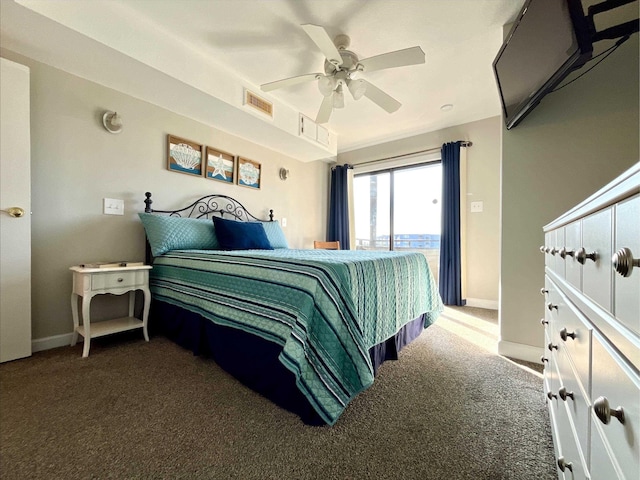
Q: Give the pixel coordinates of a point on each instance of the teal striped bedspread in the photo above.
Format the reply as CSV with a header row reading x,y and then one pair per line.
x,y
326,309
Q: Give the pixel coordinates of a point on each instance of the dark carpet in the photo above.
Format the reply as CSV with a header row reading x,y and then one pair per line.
x,y
446,410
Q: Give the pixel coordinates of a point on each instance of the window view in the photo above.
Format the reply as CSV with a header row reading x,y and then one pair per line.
x,y
399,209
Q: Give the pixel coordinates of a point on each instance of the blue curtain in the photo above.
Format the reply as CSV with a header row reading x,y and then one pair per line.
x,y
450,267
339,206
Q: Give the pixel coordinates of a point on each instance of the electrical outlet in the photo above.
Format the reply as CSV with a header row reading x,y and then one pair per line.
x,y
113,206
477,207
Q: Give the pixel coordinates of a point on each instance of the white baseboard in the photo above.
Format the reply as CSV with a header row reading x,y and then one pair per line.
x,y
47,343
520,351
482,303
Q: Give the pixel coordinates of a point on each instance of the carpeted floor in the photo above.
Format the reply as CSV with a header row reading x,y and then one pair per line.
x,y
448,409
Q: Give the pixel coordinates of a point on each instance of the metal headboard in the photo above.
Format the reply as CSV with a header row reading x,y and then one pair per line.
x,y
205,207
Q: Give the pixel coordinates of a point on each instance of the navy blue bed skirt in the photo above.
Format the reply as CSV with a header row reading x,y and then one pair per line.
x,y
253,360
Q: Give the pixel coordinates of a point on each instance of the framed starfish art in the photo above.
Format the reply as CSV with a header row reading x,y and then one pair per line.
x,y
221,165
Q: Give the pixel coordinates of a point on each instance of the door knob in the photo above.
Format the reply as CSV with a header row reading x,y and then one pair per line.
x,y
15,212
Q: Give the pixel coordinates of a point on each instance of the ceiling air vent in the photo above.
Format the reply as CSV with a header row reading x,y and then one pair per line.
x,y
258,103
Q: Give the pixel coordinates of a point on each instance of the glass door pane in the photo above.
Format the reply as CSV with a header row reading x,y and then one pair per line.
x,y
417,201
371,194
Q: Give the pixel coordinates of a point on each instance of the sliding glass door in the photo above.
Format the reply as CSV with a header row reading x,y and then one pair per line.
x,y
399,209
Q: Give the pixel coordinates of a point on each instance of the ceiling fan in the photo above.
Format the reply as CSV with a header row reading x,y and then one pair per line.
x,y
341,69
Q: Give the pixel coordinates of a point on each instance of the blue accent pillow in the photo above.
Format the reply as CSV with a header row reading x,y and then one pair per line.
x,y
176,233
234,235
275,234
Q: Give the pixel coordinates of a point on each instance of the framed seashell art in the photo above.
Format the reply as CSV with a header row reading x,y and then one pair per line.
x,y
249,173
219,165
184,156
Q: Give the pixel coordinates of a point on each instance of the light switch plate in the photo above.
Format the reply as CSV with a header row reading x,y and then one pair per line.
x,y
477,207
284,222
113,206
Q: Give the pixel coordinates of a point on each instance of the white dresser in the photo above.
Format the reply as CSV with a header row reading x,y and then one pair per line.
x,y
592,333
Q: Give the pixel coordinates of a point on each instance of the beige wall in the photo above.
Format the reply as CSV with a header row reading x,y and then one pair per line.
x,y
575,141
483,184
76,163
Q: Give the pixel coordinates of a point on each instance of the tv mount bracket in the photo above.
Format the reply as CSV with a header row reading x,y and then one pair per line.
x,y
617,31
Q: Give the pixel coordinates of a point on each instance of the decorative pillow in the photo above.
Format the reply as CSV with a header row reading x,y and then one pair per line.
x,y
176,233
234,235
275,234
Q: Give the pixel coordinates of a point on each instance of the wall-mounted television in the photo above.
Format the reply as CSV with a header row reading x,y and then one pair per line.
x,y
548,40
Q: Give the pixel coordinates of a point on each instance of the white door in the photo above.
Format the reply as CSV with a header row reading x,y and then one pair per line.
x,y
15,230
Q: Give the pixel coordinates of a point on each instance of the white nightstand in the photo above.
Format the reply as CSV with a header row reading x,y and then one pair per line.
x,y
89,282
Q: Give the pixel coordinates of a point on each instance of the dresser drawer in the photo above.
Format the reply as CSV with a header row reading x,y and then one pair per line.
x,y
614,380
602,464
627,289
572,243
573,337
568,447
571,392
596,273
117,279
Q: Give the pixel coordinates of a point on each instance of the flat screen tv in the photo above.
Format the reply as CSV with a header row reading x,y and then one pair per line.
x,y
548,40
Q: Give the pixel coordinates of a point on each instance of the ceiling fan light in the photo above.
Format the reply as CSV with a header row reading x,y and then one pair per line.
x,y
338,98
326,85
357,88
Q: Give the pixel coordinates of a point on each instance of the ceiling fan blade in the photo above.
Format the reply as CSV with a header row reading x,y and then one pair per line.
x,y
321,38
287,82
380,98
326,107
399,58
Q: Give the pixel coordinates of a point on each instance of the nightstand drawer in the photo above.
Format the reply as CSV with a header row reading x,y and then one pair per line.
x,y
116,279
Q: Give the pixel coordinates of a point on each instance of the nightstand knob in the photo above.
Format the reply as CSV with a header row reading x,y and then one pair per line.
x,y
582,255
604,412
563,464
564,253
564,335
623,262
564,394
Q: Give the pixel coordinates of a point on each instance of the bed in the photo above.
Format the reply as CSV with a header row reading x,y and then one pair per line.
x,y
305,328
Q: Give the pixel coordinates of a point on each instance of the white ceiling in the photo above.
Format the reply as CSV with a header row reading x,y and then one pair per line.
x,y
253,42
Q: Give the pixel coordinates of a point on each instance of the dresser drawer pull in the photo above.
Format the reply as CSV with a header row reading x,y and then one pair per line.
x,y
604,412
551,346
564,394
553,250
544,250
623,262
543,359
551,396
564,253
582,256
564,335
544,322
551,306
543,291
563,464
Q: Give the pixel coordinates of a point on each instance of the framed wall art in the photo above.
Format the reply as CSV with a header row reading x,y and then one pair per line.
x,y
249,173
219,165
184,156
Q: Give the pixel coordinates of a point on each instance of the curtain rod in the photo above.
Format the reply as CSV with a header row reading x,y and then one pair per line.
x,y
463,143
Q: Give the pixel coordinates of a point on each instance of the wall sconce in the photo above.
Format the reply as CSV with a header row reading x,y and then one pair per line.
x,y
112,122
284,174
